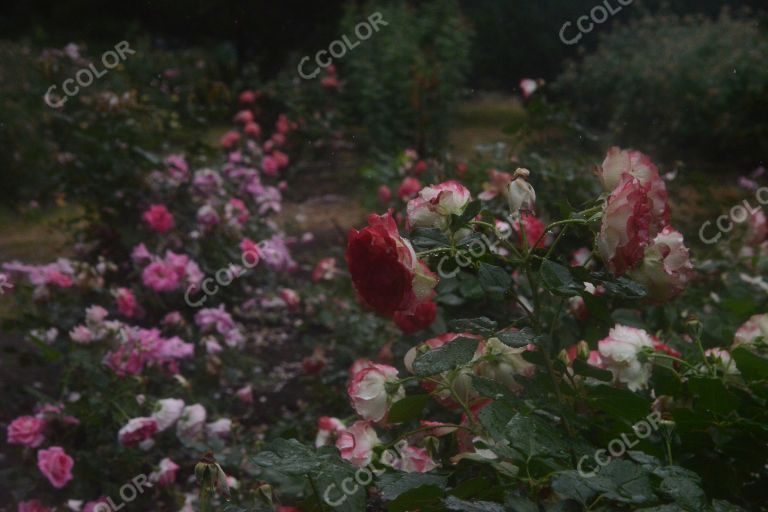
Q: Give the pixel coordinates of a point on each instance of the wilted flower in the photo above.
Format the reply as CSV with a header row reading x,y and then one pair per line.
x,y
519,192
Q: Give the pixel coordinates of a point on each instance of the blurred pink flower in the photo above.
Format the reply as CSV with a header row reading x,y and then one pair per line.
x,y
27,431
56,465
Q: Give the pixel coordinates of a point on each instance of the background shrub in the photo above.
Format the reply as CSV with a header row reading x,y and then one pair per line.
x,y
403,83
690,86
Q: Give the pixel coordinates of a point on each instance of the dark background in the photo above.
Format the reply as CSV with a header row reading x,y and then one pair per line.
x,y
269,33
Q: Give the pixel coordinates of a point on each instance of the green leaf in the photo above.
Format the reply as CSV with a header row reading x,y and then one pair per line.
x,y
752,366
494,280
287,456
408,408
393,485
518,339
587,370
469,213
451,355
712,395
685,490
519,504
429,238
481,325
495,417
622,404
454,503
622,287
425,498
558,279
491,389
535,437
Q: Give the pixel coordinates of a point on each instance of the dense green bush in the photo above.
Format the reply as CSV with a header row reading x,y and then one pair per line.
x,y
402,84
688,85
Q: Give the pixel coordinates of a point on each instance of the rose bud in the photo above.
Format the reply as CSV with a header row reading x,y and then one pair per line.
x,y
520,193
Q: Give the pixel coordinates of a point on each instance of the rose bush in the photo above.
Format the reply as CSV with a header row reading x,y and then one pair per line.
x,y
529,391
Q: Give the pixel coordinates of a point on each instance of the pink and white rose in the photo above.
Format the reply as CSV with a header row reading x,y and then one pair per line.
x,y
373,390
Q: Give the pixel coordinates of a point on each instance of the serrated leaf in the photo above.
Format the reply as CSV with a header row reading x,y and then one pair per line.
x,y
451,355
558,279
481,325
393,485
408,408
518,339
454,503
428,238
494,280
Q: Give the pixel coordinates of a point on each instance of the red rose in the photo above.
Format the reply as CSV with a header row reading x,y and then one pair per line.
x,y
419,318
386,273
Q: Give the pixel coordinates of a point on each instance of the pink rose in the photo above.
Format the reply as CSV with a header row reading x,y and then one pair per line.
x,y
408,188
159,218
385,194
229,139
270,166
369,391
324,270
533,228
26,431
160,276
136,431
327,430
244,117
33,506
528,86
166,473
435,204
253,129
752,330
630,221
412,459
126,303
357,442
247,97
56,465
666,267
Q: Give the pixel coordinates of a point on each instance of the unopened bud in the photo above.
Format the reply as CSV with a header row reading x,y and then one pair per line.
x,y
264,491
563,357
582,350
520,193
694,326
